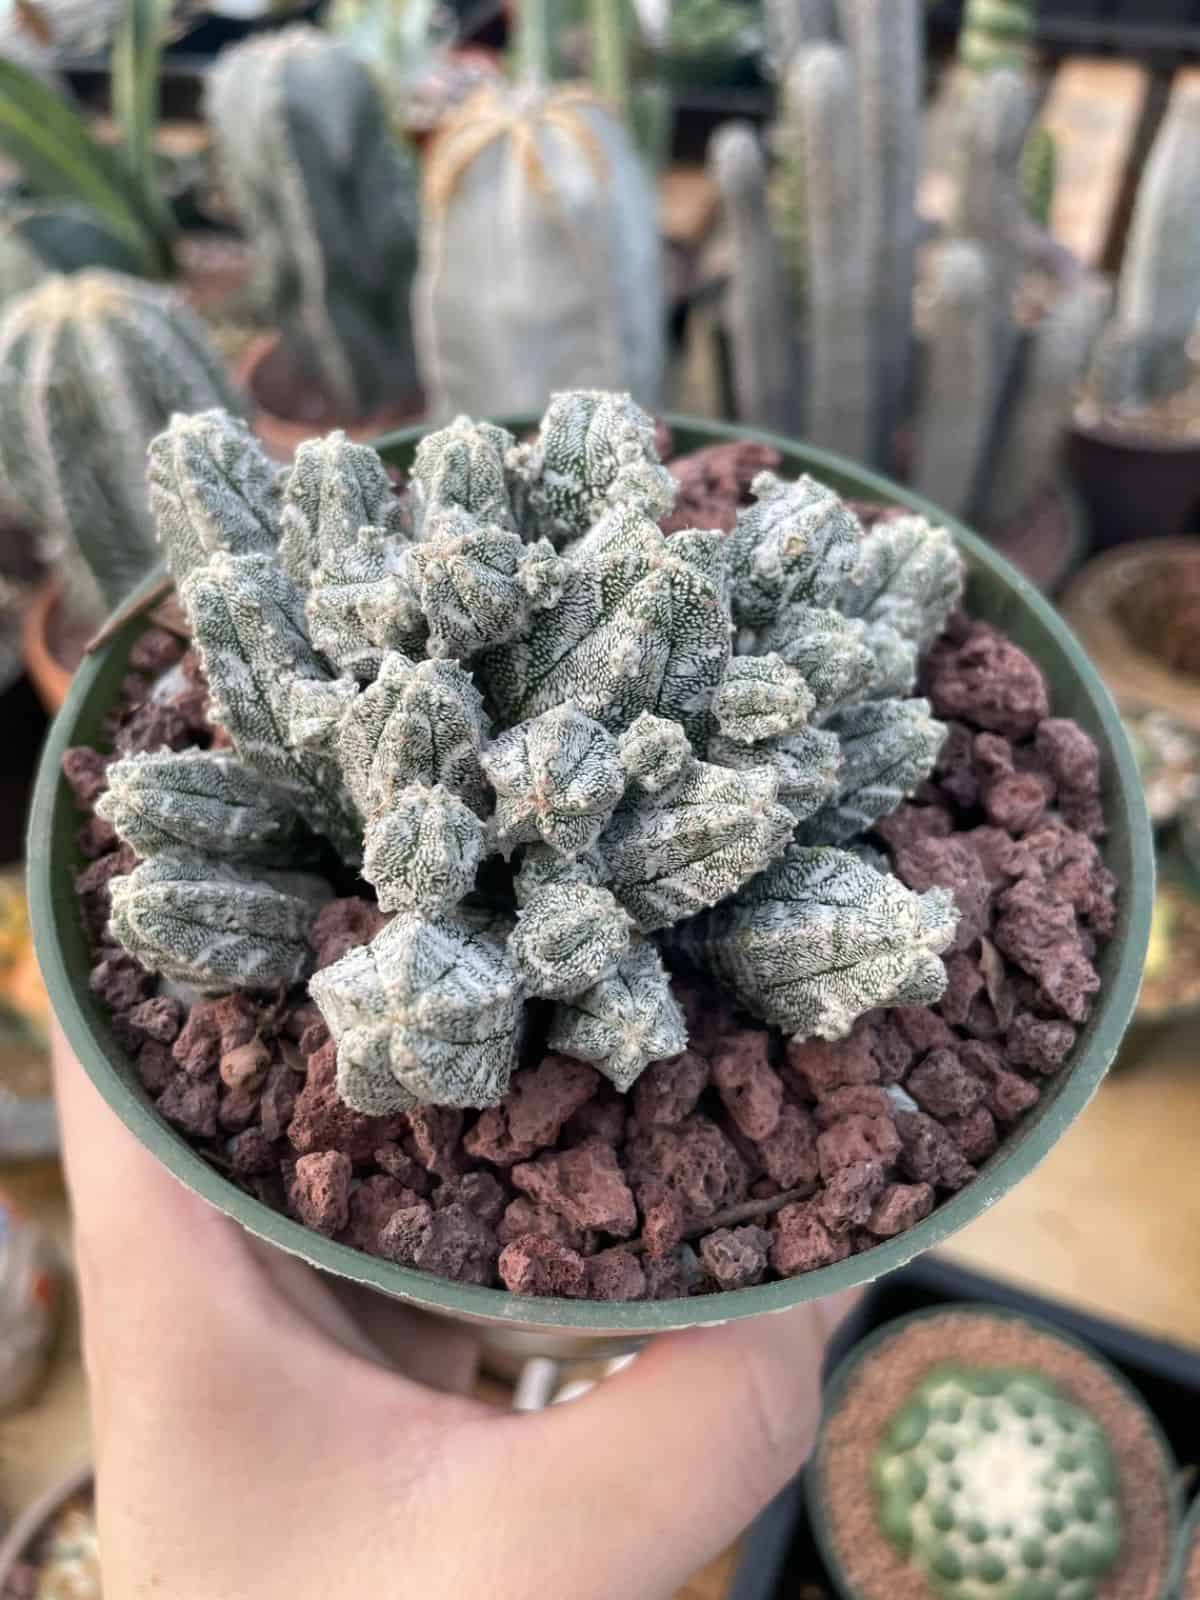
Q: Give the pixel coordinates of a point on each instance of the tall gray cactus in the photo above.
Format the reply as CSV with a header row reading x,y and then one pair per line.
x,y
758,313
1142,356
840,231
789,24
329,202
91,368
886,40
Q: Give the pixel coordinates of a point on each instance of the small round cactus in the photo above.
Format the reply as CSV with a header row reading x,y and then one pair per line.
x,y
996,1484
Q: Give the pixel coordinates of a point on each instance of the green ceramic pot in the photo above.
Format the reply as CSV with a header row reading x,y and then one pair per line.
x,y
997,593
839,1381
1185,1577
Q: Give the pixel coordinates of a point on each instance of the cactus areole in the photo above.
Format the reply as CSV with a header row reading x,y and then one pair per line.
x,y
513,687
542,755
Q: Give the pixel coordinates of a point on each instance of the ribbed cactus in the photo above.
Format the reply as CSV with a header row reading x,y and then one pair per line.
x,y
840,231
1142,356
91,368
788,24
624,777
886,40
757,310
990,1480
329,203
540,259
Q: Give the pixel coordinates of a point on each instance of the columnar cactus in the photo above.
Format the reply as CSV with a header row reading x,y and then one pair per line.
x,y
628,779
840,232
91,368
996,33
1142,355
991,1480
788,24
329,202
573,290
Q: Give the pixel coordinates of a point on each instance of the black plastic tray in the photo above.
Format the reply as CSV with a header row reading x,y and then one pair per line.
x,y
779,1558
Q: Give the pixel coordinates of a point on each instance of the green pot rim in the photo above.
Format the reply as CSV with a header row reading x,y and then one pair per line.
x,y
839,1380
1012,601
1189,1537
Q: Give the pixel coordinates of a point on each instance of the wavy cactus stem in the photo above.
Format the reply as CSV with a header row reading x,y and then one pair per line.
x,y
550,791
992,1481
91,369
328,200
540,261
1142,356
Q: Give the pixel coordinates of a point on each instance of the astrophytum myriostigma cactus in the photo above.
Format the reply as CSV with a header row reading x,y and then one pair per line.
x,y
990,1480
328,200
557,742
91,368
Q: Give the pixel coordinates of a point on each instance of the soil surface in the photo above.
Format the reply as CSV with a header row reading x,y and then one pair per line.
x,y
746,1158
1173,420
852,1436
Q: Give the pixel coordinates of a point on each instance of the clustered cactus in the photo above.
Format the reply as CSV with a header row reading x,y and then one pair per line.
x,y
1143,356
554,740
328,200
992,1481
825,267
92,367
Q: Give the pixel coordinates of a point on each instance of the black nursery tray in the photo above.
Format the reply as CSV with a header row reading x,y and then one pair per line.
x,y
779,1558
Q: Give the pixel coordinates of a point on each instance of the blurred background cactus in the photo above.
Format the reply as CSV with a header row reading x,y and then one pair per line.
x,y
328,199
91,368
1144,355
925,355
540,262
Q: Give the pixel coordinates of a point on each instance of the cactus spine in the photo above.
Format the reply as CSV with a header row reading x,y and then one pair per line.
x,y
91,368
757,311
329,201
573,294
1142,356
634,780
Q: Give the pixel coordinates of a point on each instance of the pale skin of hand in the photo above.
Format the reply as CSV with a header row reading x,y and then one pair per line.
x,y
261,1434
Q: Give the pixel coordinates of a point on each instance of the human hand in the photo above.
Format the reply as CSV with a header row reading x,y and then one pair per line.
x,y
263,1432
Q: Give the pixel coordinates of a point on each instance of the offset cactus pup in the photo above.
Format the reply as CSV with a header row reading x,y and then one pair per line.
x,y
971,1451
655,753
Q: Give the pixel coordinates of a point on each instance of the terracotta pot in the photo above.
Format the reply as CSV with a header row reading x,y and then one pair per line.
x,y
556,1327
1133,487
1138,679
31,1521
49,676
261,373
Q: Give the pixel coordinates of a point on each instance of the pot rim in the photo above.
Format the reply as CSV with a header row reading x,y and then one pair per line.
x,y
1131,442
54,911
35,1516
49,676
835,1385
1188,1540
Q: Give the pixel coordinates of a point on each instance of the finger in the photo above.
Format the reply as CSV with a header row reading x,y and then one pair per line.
x,y
687,1444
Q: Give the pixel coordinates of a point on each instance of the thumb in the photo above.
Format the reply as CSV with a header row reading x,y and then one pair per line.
x,y
687,1445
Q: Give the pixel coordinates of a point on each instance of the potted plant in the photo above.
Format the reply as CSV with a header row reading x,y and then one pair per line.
x,y
1135,446
91,368
51,1552
329,200
973,1446
830,263
621,804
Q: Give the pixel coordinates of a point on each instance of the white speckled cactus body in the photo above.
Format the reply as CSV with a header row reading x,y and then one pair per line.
x,y
91,368
552,793
328,200
840,232
540,260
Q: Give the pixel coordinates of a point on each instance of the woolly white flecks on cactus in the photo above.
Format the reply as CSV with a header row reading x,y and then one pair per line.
x,y
91,368
543,815
329,201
